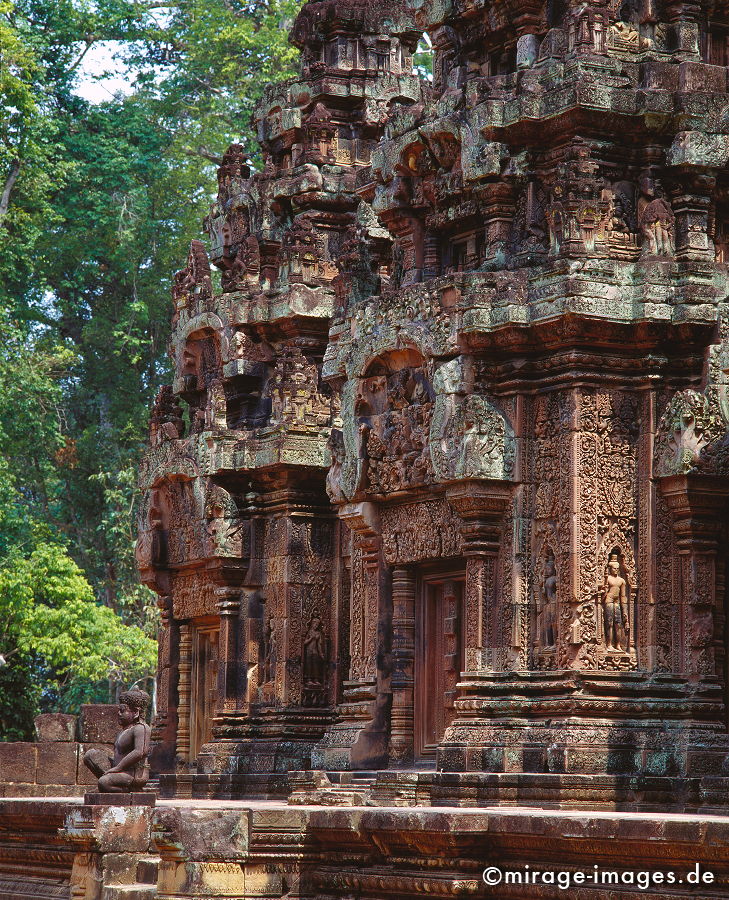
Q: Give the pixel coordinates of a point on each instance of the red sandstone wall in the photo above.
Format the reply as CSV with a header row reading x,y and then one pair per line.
x,y
52,766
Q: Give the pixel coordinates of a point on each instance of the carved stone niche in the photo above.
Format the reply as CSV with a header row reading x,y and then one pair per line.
x,y
166,517
198,382
187,519
166,422
616,609
201,360
387,431
194,280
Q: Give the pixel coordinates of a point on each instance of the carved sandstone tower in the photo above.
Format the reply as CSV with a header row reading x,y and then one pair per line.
x,y
237,534
442,479
533,455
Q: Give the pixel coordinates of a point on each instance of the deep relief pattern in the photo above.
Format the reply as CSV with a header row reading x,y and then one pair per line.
x,y
551,461
607,469
692,435
469,436
393,412
423,531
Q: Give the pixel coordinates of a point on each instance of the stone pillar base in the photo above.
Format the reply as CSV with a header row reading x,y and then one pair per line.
x,y
627,793
587,723
360,739
268,741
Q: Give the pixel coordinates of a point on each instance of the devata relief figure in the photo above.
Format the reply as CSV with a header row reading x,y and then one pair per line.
x,y
315,660
129,770
548,607
656,220
615,607
268,667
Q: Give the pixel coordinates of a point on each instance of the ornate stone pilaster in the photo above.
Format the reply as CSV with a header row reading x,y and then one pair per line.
x,y
691,203
360,738
497,203
184,683
162,756
697,504
228,606
481,505
410,231
163,669
403,666
363,519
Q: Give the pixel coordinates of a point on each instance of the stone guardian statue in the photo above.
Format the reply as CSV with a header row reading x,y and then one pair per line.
x,y
128,771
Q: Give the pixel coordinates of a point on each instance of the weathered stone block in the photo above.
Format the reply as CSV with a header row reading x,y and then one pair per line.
x,y
55,727
117,829
657,75
694,148
23,789
700,77
57,763
135,798
98,723
18,762
661,762
60,790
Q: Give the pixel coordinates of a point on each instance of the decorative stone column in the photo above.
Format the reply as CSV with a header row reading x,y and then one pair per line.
x,y
698,505
184,676
402,736
228,606
162,756
497,203
359,740
691,202
481,505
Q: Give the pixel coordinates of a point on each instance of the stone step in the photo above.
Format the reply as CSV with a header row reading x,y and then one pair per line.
x,y
330,789
129,892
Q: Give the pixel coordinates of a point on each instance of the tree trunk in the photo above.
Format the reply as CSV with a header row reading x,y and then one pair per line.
x,y
8,189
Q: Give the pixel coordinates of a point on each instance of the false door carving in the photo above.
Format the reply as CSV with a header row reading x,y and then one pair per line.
x,y
439,660
204,687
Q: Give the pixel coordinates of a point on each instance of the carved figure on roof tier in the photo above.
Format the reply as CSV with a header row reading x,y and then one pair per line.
x,y
656,219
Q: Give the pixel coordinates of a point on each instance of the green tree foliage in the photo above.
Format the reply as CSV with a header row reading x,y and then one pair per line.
x,y
48,610
54,636
97,204
210,61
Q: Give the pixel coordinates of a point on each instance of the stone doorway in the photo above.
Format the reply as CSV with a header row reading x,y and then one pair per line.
x,y
204,687
438,659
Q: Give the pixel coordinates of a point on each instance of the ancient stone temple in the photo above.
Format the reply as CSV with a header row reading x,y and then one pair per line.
x,y
441,481
436,505
238,535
